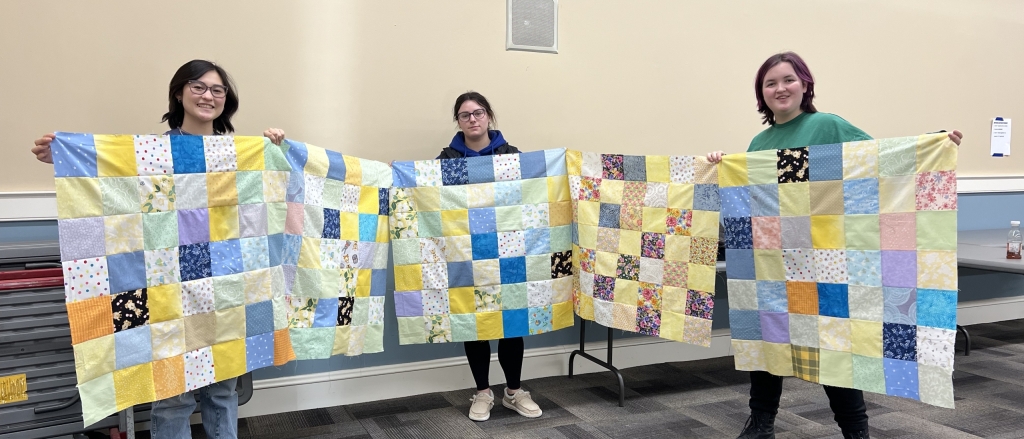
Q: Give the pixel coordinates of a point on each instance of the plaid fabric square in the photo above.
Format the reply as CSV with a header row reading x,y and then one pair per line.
x,y
859,279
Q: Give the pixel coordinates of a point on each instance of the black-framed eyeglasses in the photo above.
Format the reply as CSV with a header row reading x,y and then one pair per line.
x,y
479,114
199,87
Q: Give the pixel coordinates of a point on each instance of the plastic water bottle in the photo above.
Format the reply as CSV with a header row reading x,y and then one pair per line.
x,y
1013,241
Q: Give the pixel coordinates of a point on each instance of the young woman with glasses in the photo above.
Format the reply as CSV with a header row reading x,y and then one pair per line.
x,y
476,138
201,101
784,89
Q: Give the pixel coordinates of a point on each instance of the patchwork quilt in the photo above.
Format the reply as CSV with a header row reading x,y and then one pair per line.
x,y
190,260
482,247
645,243
842,263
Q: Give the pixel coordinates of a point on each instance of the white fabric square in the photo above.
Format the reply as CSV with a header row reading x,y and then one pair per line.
x,y
85,279
511,244
591,165
168,338
830,266
153,155
314,195
603,313
506,167
435,276
799,264
428,172
432,250
435,302
350,198
535,216
587,283
220,153
190,191
935,346
199,368
162,267
682,169
377,310
657,195
539,293
197,296
652,270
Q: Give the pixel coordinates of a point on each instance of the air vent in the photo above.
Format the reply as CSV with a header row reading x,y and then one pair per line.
x,y
532,25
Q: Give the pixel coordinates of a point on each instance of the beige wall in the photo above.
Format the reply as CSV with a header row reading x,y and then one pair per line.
x,y
377,78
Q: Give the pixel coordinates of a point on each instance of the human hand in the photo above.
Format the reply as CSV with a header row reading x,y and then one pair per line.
x,y
42,148
276,135
715,156
956,136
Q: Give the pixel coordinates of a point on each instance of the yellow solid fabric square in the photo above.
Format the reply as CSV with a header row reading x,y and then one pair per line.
x,y
78,198
574,162
768,264
701,277
705,223
935,152
317,162
341,336
672,324
866,338
795,199
228,359
897,194
123,233
455,222
605,263
115,156
561,315
587,236
353,170
164,302
169,377
489,325
680,196
309,253
230,324
611,191
588,212
94,358
223,223
382,228
836,368
654,220
249,153
658,169
363,281
673,299
221,189
860,159
827,232
486,272
627,292
369,200
349,226
408,278
134,385
586,307
677,248
629,242
778,358
734,170
560,213
461,300
558,188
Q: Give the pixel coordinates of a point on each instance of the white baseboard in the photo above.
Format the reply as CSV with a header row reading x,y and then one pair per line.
x,y
42,205
327,389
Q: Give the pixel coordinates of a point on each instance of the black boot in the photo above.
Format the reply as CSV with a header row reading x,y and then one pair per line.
x,y
859,434
760,425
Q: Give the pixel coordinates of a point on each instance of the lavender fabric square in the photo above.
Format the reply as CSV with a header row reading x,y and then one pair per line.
x,y
193,226
899,268
775,326
408,304
81,238
900,305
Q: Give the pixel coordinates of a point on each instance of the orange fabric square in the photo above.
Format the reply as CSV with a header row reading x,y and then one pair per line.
x,y
283,352
169,377
92,318
803,297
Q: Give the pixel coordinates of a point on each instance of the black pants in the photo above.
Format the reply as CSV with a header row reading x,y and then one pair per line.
x,y
510,357
847,404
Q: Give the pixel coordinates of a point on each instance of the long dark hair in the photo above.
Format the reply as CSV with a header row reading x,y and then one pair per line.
x,y
802,72
475,97
190,71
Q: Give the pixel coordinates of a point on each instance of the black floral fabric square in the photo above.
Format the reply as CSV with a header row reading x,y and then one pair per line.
x,y
131,310
793,165
561,264
345,310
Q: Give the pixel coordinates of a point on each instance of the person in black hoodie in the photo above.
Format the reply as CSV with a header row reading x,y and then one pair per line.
x,y
476,138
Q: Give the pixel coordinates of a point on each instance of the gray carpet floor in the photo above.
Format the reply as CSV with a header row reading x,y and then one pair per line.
x,y
702,399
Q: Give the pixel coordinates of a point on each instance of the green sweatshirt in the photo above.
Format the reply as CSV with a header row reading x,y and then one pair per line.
x,y
805,130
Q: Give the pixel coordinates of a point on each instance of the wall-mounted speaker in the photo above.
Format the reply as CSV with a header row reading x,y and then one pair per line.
x,y
532,25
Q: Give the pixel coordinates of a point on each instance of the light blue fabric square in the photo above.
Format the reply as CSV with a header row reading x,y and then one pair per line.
x,y
555,162
480,169
771,296
133,347
74,155
864,267
826,162
255,253
936,308
367,227
508,193
404,174
326,313
538,241
336,169
740,264
259,351
764,200
533,164
226,257
901,378
735,202
860,196
745,324
297,154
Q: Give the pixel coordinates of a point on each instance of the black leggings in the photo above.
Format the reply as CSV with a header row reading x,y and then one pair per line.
x,y
847,404
510,357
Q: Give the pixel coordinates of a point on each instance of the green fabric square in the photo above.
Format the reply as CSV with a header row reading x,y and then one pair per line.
x,y
762,167
535,191
312,221
361,311
407,251
276,214
513,296
463,327
374,341
312,343
250,186
228,291
429,224
274,157
98,398
538,267
454,198
160,230
510,218
561,238
936,230
330,283
120,195
333,190
862,232
897,156
836,368
414,329
934,385
307,282
280,312
868,374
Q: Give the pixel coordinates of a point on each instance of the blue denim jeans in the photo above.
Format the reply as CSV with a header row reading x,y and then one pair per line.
x,y
218,405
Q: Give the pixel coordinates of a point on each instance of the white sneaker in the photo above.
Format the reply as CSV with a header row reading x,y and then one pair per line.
x,y
521,402
481,408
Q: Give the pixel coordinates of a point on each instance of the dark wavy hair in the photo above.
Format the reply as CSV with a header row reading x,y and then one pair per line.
x,y
475,97
194,70
802,72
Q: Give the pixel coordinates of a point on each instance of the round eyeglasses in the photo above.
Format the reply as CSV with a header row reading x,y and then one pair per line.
x,y
199,87
478,114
